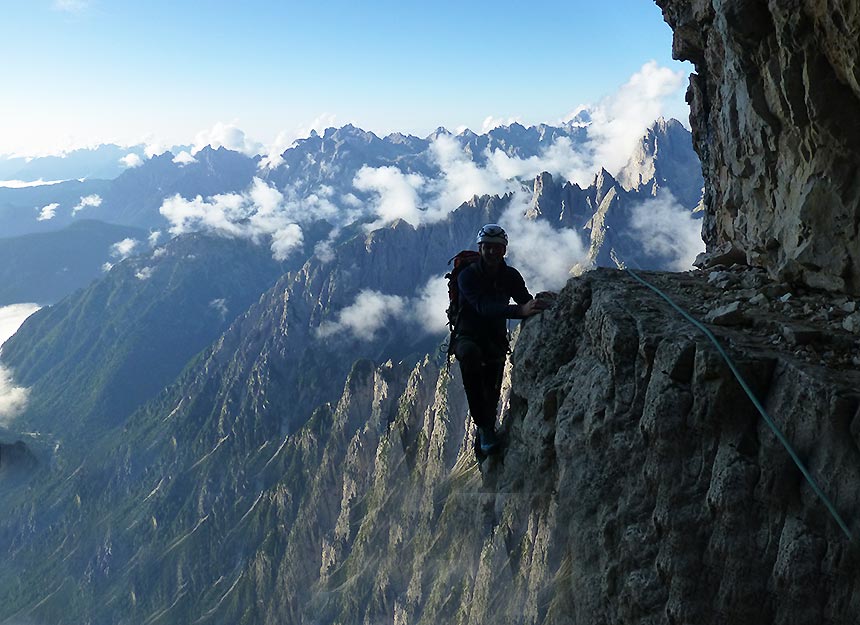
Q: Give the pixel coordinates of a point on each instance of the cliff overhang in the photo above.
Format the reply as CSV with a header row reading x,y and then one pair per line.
x,y
775,114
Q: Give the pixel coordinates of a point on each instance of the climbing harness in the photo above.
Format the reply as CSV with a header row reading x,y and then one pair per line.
x,y
830,507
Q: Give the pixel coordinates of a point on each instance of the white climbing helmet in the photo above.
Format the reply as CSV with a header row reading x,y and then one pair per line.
x,y
492,233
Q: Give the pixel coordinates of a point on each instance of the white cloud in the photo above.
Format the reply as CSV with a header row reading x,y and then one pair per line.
x,y
123,249
428,308
397,194
184,158
48,212
260,211
228,136
220,306
13,399
154,147
319,125
351,200
366,316
153,238
217,213
413,198
618,122
323,250
491,122
561,159
144,273
87,201
21,184
621,120
159,252
107,267
131,160
287,138
574,114
273,158
11,318
461,178
543,255
285,240
668,229
373,310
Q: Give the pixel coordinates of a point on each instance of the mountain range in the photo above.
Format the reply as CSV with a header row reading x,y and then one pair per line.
x,y
253,422
208,425
317,178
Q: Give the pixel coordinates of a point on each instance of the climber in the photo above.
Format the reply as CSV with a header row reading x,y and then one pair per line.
x,y
480,339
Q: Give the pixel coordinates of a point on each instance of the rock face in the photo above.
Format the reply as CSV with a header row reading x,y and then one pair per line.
x,y
639,484
664,159
775,112
667,480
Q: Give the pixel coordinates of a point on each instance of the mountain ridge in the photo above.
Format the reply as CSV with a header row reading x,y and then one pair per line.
x,y
204,490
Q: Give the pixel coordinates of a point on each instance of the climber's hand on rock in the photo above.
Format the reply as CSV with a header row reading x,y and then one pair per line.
x,y
534,306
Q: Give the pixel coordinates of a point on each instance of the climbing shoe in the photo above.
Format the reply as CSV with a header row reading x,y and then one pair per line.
x,y
488,441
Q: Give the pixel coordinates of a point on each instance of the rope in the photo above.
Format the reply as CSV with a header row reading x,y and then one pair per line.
x,y
830,507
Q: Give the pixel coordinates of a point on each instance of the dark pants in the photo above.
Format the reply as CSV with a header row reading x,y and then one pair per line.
x,y
482,364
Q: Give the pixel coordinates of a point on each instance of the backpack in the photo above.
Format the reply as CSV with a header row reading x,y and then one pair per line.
x,y
461,261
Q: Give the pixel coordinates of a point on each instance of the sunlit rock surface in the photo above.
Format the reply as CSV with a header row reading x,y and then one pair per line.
x,y
775,113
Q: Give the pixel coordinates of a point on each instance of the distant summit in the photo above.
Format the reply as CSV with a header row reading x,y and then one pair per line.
x,y
664,159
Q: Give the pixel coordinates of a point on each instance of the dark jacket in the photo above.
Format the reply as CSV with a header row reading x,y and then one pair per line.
x,y
485,301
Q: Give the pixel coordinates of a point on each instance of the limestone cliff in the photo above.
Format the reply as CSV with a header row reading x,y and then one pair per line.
x,y
639,484
775,113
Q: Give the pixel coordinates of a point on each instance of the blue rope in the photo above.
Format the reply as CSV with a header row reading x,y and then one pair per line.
x,y
830,507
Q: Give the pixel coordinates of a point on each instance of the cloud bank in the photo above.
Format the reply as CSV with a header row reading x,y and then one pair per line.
x,y
184,158
259,212
286,138
620,121
617,124
371,311
668,229
131,160
13,399
227,136
11,318
22,184
544,255
123,249
386,194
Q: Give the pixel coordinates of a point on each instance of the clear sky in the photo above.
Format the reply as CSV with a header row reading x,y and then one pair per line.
x,y
80,72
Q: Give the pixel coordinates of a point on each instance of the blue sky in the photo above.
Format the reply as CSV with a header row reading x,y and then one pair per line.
x,y
80,72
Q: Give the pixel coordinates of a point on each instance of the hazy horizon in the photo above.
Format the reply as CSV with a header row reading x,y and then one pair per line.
x,y
257,77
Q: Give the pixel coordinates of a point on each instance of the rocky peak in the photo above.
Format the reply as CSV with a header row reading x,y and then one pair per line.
x,y
664,160
775,104
580,119
441,131
603,184
546,196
